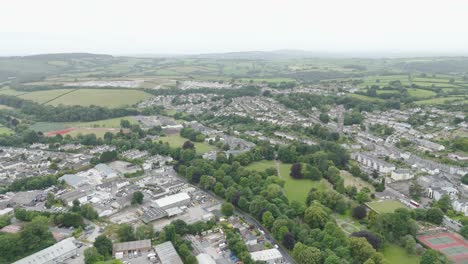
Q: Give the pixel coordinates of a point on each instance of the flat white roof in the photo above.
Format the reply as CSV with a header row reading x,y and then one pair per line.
x,y
172,199
266,255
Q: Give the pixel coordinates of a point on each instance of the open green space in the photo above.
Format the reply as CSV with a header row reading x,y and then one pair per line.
x,y
9,91
109,123
420,93
386,206
102,97
365,98
5,130
262,165
394,254
42,97
99,132
440,100
175,140
297,190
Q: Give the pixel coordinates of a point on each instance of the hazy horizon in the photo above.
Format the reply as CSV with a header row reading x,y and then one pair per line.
x,y
348,28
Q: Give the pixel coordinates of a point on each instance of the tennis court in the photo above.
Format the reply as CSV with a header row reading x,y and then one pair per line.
x,y
450,244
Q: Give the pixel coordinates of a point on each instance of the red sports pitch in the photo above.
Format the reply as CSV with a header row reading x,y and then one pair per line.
x,y
450,244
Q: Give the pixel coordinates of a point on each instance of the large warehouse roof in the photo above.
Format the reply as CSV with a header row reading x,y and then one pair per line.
x,y
266,255
132,245
167,253
48,255
172,199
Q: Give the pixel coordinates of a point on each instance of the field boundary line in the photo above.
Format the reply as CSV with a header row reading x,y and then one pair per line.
x,y
59,96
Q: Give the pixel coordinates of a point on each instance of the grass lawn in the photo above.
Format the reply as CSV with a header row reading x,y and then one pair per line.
x,y
386,206
105,123
296,190
9,91
102,97
394,254
99,132
110,123
175,140
365,98
420,93
440,100
42,97
5,130
262,165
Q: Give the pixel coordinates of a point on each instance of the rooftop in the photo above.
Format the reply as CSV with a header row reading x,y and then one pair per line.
x,y
167,253
132,245
266,255
47,255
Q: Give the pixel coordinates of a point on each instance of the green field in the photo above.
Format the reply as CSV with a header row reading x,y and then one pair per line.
x,y
101,97
420,93
99,132
262,165
386,206
440,100
9,91
42,97
394,254
106,123
365,98
5,130
297,190
175,140
109,123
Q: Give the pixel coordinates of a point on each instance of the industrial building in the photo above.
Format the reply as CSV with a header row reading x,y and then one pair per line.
x,y
167,253
56,253
178,199
124,248
268,255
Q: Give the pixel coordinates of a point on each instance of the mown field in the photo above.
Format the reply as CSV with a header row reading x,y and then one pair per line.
x,y
261,165
442,100
297,190
99,127
387,206
397,255
101,97
175,140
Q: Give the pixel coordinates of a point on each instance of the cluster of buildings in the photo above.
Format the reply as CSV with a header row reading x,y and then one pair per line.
x,y
187,103
16,163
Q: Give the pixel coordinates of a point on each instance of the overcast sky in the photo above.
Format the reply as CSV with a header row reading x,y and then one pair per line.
x,y
206,26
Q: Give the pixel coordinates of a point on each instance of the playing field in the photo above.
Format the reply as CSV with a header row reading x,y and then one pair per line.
x,y
175,140
386,206
450,244
101,97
